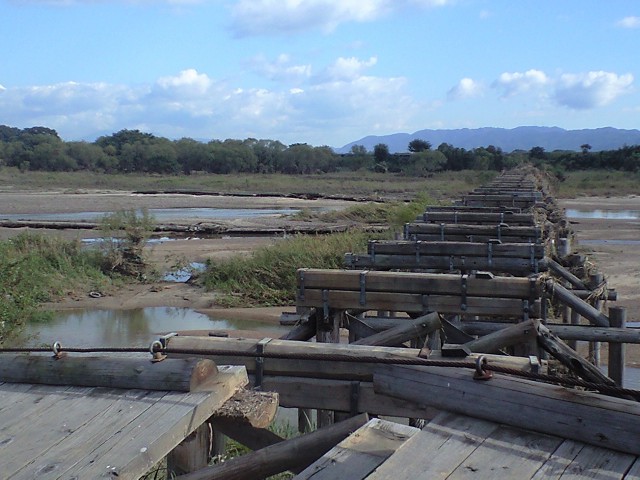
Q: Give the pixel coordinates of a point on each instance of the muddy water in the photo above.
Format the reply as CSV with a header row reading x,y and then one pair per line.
x,y
130,328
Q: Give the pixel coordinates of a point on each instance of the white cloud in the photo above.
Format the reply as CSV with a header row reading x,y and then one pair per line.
x,y
512,83
347,68
2,87
591,89
281,69
629,22
265,17
192,104
466,88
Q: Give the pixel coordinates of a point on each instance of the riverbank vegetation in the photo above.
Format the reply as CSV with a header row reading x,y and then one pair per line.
x,y
267,277
36,269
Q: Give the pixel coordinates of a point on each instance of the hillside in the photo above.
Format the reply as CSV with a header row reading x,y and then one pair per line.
x,y
520,138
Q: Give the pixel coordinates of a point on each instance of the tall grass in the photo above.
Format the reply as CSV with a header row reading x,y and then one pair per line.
x,y
267,277
35,269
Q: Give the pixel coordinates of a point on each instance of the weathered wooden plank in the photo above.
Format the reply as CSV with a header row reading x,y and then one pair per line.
x,y
474,238
469,208
588,417
360,453
123,372
440,447
634,471
416,303
578,461
410,282
19,448
177,415
63,453
507,452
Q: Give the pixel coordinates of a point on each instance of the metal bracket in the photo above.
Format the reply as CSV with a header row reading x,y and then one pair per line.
x,y
372,248
525,310
442,232
425,303
363,287
354,398
489,254
57,354
405,231
481,373
260,362
534,364
532,257
455,217
451,263
155,349
164,339
417,244
301,285
463,292
325,304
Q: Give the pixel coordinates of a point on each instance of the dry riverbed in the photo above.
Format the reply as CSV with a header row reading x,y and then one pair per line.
x,y
603,240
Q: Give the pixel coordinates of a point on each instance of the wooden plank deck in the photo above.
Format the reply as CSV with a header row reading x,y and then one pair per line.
x,y
458,447
52,432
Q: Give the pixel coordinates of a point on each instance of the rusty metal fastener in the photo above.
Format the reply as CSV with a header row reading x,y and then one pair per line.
x,y
155,349
57,354
481,373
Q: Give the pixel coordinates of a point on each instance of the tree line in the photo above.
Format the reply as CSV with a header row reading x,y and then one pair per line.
x,y
133,151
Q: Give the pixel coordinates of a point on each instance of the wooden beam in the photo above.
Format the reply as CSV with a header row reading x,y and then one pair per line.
x,y
567,298
569,358
342,396
293,453
316,368
410,282
420,327
565,274
506,337
467,249
185,375
583,416
618,318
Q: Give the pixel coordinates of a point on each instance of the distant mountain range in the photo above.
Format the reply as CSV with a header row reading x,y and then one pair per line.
x,y
520,138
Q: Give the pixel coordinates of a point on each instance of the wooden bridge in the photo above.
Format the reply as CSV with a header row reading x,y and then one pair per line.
x,y
468,324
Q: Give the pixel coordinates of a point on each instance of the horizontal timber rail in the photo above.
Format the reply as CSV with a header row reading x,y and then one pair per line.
x,y
520,259
478,233
475,218
417,292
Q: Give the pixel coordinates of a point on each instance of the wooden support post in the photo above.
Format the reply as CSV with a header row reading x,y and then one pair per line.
x,y
303,332
295,453
564,247
328,332
618,318
193,453
575,320
305,423
594,347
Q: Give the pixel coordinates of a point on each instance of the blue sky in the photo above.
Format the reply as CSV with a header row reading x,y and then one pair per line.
x,y
323,72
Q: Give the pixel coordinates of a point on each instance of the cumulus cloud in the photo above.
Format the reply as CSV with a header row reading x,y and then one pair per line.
x,y
281,69
265,17
591,89
629,22
466,88
192,104
512,83
345,69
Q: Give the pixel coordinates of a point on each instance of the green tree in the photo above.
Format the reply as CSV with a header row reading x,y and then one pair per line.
x,y
381,153
417,145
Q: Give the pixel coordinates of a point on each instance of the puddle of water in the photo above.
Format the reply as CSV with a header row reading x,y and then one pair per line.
x,y
605,214
184,274
159,214
129,328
